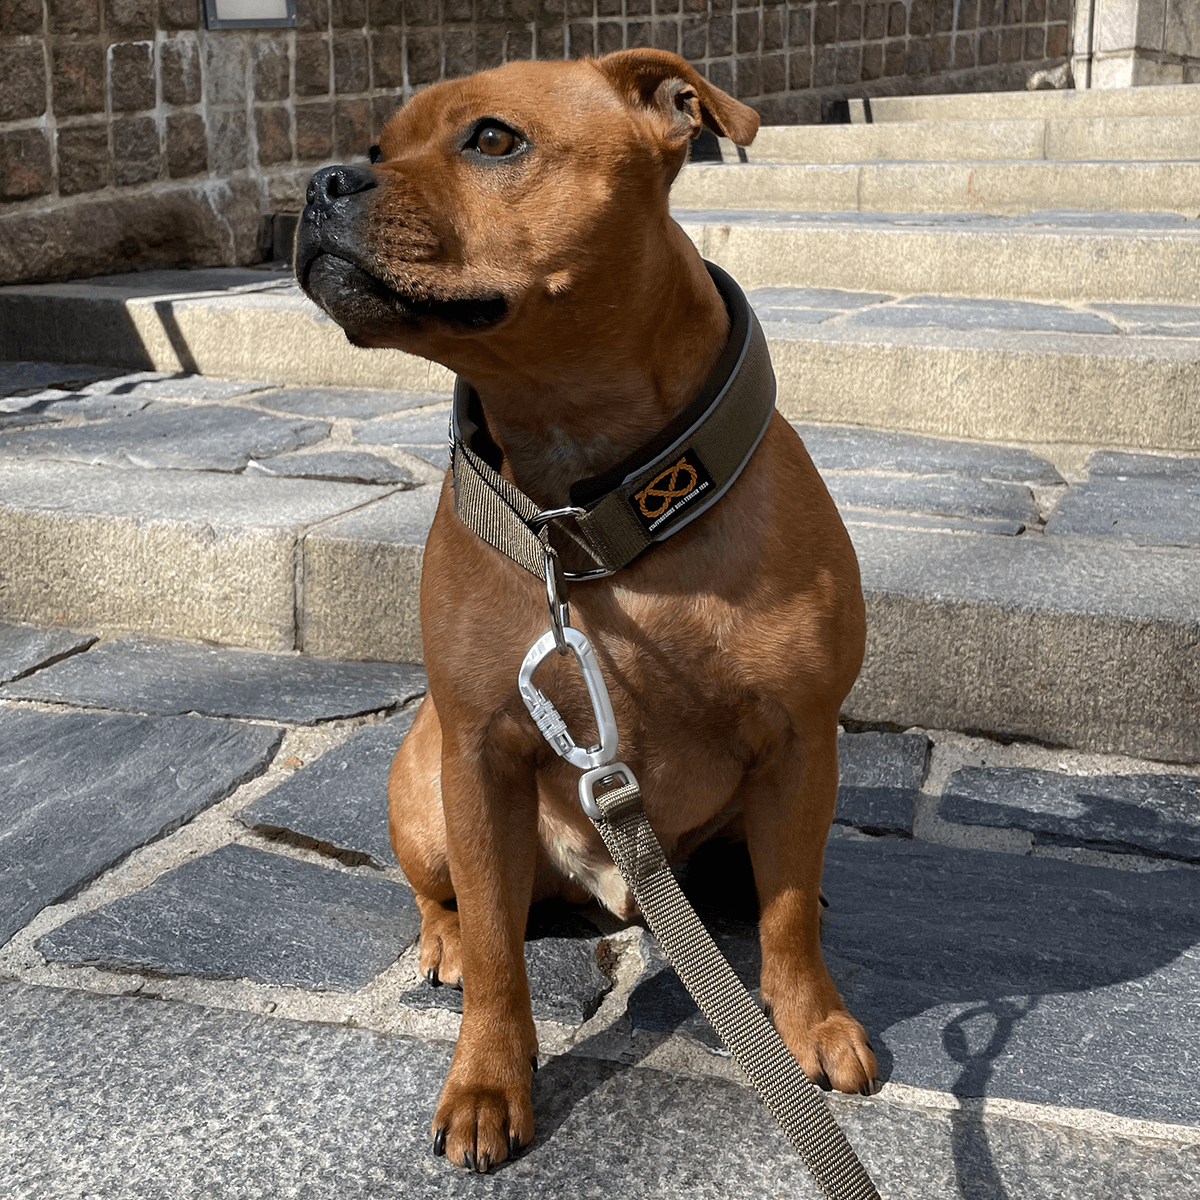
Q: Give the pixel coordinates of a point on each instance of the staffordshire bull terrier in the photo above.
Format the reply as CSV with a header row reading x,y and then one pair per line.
x,y
514,227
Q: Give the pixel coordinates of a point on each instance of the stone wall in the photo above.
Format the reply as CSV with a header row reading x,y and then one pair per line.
x,y
132,136
1129,43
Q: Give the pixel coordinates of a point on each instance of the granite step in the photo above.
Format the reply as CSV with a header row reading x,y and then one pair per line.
x,y
1096,138
1172,100
1114,258
1042,593
998,187
1038,371
215,973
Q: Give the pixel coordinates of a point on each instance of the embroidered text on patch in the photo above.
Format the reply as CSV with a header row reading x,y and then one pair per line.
x,y
671,491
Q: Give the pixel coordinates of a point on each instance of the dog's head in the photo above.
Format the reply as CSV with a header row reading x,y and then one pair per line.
x,y
492,199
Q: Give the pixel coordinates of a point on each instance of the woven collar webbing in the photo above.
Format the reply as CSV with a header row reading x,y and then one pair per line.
x,y
679,474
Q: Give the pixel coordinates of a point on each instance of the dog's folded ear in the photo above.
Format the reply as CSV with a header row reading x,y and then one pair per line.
x,y
670,86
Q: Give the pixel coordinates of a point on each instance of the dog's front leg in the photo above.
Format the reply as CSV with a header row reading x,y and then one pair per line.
x,y
485,1113
788,803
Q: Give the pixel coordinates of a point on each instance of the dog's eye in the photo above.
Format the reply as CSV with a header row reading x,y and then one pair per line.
x,y
495,140
375,154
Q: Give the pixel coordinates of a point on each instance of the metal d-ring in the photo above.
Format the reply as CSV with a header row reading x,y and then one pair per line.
x,y
556,581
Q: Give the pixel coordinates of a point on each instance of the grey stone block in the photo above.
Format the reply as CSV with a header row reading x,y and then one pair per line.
x,y
983,974
771,299
163,678
132,1098
362,577
1155,814
1143,466
916,522
424,434
58,406
938,495
24,650
344,402
566,983
17,378
200,555
340,800
25,419
1002,187
1144,510
848,448
1073,641
978,383
161,385
956,313
1169,320
1107,256
206,438
1027,978
796,316
241,913
343,466
880,776
79,791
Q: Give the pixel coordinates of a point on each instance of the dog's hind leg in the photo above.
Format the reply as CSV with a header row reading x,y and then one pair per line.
x,y
418,831
788,805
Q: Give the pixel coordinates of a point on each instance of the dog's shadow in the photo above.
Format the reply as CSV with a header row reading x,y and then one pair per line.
x,y
975,973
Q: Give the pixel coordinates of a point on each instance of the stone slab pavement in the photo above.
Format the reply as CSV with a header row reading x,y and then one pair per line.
x,y
1032,998
180,506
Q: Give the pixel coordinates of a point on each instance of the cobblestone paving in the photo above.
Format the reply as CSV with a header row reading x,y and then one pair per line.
x,y
208,825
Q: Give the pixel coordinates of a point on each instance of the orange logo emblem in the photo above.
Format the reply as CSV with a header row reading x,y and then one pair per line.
x,y
656,496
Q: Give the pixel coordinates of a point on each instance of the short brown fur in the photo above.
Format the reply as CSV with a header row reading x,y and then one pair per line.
x,y
728,650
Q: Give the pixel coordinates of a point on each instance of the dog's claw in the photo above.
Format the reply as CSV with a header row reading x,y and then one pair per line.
x,y
821,1080
533,1062
514,1145
469,1160
439,1143
431,977
484,1163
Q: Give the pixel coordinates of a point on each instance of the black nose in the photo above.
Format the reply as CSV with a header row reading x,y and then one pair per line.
x,y
332,183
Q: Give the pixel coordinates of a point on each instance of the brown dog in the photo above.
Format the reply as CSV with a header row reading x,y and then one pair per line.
x,y
515,228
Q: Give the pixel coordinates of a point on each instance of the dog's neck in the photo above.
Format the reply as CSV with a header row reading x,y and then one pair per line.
x,y
598,392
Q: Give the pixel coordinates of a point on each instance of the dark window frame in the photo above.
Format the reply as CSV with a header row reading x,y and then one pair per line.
x,y
212,21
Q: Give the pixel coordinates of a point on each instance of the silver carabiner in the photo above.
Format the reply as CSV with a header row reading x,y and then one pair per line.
x,y
546,716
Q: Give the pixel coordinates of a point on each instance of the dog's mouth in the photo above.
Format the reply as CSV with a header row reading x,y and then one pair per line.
x,y
369,309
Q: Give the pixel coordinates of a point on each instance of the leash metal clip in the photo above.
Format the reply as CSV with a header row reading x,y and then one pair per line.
x,y
546,716
611,773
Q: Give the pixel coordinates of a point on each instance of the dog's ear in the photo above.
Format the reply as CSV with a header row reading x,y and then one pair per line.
x,y
670,86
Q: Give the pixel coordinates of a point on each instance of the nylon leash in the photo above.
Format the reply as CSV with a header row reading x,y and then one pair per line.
x,y
610,796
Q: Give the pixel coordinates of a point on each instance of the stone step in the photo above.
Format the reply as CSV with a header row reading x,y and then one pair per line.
x,y
907,358
1116,258
999,187
236,954
1181,100
1023,604
1065,139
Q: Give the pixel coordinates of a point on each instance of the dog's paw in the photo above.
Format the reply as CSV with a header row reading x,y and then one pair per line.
x,y
441,946
833,1050
479,1125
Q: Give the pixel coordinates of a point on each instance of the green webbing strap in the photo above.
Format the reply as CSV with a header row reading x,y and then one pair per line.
x,y
742,1026
691,464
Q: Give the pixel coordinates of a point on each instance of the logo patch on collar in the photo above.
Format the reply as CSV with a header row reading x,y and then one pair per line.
x,y
670,493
